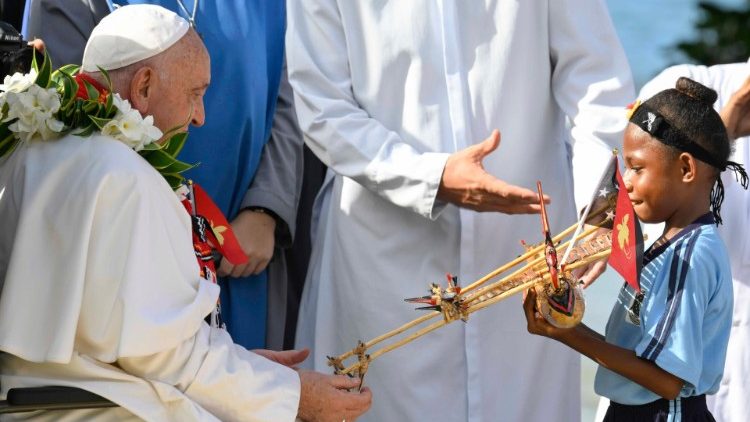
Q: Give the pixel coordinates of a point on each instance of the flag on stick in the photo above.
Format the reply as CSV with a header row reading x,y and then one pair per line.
x,y
610,208
627,239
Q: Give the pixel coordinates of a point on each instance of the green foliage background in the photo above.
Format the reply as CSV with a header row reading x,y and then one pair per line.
x,y
722,35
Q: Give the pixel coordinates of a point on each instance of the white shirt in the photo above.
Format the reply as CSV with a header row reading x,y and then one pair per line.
x,y
385,91
101,290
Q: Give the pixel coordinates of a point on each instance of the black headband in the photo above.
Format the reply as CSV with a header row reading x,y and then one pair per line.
x,y
653,123
657,126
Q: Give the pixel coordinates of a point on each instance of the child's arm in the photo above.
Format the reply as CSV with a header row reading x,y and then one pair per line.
x,y
617,359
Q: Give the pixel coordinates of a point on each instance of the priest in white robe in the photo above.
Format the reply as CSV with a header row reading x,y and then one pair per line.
x,y
391,95
100,284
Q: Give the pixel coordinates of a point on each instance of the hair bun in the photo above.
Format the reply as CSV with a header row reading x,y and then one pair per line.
x,y
696,90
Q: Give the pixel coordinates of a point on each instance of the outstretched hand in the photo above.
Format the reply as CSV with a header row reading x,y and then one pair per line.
x,y
736,113
467,184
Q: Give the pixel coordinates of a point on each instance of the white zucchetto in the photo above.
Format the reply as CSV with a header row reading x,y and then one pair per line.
x,y
131,34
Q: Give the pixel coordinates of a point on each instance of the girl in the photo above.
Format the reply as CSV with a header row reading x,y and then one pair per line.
x,y
665,346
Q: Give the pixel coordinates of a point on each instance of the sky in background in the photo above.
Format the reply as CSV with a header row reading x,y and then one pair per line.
x,y
649,29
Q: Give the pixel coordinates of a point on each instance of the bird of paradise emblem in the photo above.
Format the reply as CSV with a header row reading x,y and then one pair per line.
x,y
623,236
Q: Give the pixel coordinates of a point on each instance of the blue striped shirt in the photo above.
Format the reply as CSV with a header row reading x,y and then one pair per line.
x,y
682,321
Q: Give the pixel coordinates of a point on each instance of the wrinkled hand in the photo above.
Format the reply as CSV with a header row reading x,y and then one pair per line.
x,y
255,233
290,358
736,113
324,398
467,184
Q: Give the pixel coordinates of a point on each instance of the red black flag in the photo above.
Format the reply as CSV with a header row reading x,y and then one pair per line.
x,y
627,239
223,239
611,208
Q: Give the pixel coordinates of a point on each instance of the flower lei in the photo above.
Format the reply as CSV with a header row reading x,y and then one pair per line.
x,y
43,105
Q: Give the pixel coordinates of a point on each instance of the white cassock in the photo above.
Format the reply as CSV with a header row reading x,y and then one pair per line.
x,y
385,91
100,290
731,403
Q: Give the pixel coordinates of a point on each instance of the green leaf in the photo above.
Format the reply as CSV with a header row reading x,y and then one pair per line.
x,y
152,146
106,78
99,122
87,131
59,74
34,64
174,145
177,167
174,180
109,108
89,106
158,158
91,91
8,144
43,77
70,69
70,88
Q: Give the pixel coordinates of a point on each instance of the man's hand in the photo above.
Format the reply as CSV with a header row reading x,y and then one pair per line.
x,y
255,233
290,358
324,398
736,113
467,184
590,272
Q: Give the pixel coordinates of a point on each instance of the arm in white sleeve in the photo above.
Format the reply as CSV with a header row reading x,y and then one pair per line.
x,y
343,135
592,84
227,380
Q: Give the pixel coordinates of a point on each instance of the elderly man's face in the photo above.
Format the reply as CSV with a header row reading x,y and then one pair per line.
x,y
179,94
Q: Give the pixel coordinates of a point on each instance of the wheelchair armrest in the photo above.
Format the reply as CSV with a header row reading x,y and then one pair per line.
x,y
51,398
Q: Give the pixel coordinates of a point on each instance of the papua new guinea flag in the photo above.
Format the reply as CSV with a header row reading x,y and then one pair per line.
x,y
627,240
226,242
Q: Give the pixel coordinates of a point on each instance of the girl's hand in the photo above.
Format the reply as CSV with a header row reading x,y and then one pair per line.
x,y
535,322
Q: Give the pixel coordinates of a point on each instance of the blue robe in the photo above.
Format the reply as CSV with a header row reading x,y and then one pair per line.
x,y
245,39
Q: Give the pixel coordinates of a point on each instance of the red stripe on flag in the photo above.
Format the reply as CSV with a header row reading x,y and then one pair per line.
x,y
625,257
227,243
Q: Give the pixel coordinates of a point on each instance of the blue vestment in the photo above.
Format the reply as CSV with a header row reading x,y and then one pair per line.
x,y
245,40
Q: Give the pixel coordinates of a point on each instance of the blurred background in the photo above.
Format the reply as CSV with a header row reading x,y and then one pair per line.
x,y
657,34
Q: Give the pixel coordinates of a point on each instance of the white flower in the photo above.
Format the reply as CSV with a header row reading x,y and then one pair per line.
x,y
130,127
32,113
18,82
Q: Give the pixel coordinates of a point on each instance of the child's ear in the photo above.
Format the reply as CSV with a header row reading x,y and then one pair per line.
x,y
688,167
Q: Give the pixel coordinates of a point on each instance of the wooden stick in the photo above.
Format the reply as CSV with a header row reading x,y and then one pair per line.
x,y
527,254
474,308
392,333
432,327
470,298
473,297
528,284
